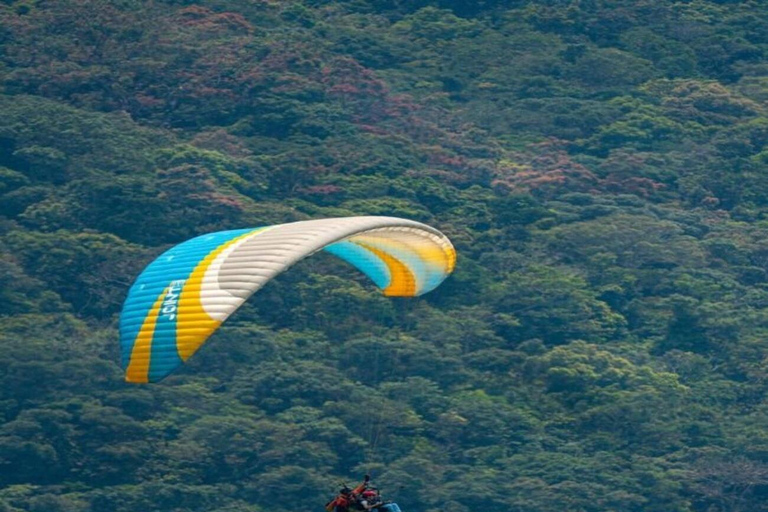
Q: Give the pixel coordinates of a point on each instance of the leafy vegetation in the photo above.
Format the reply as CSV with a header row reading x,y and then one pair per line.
x,y
600,166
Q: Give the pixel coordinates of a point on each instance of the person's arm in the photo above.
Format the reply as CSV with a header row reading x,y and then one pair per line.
x,y
360,488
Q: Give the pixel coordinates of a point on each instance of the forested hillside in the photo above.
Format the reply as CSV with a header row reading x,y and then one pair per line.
x,y
600,165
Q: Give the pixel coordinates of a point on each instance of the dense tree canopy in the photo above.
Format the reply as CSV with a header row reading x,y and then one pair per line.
x,y
600,166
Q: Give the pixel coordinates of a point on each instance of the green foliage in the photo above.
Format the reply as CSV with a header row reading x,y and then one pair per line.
x,y
600,167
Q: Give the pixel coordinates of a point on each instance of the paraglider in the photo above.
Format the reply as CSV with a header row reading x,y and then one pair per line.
x,y
183,296
362,497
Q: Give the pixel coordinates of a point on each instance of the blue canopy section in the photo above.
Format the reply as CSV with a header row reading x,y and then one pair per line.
x,y
175,264
367,262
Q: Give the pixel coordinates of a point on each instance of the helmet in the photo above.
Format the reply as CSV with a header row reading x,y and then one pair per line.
x,y
369,494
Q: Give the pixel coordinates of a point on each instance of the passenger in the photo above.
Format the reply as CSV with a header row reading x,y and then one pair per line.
x,y
347,498
341,502
370,500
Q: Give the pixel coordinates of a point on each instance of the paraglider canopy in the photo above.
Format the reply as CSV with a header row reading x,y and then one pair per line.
x,y
185,294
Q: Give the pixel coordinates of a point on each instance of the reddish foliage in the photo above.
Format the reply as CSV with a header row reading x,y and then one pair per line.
x,y
400,105
547,170
205,19
291,83
193,187
643,187
344,89
322,190
359,89
447,160
147,101
101,56
301,59
625,173
425,131
217,199
450,177
376,130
